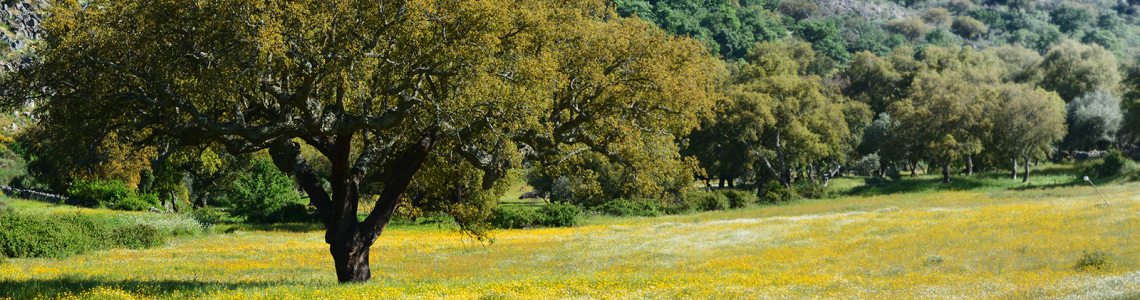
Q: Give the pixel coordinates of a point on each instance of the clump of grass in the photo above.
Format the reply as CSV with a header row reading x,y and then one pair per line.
x,y
1095,260
934,260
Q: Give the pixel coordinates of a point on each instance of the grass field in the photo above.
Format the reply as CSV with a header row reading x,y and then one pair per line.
x,y
1016,242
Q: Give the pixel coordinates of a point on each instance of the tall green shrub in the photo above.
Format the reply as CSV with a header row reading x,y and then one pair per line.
x,y
100,193
261,193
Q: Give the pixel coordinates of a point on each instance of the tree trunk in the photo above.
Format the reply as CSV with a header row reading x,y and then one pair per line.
x,y
350,239
731,185
720,186
945,172
1014,174
914,170
969,165
1025,178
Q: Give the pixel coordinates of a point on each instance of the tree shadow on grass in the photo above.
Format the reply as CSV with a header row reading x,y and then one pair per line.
x,y
288,227
73,286
913,185
982,181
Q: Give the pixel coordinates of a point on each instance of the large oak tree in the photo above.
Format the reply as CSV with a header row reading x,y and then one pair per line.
x,y
391,92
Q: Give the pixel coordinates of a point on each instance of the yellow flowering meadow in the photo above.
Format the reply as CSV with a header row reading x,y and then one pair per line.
x,y
948,245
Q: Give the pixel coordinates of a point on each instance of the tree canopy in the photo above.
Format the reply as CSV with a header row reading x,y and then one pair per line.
x,y
417,98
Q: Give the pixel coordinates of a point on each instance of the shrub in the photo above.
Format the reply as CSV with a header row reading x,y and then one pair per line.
x,y
558,215
5,208
137,202
1092,261
706,201
813,191
100,192
23,235
777,193
137,236
738,199
207,216
621,207
507,217
263,191
290,213
867,165
1112,164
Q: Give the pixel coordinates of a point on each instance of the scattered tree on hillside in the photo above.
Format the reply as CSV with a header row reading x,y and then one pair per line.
x,y
1018,64
912,28
792,124
937,16
968,27
944,112
1073,69
1094,120
434,97
1070,17
1027,123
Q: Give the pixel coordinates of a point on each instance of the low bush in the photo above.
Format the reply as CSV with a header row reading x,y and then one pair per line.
x,y
813,191
712,201
1112,164
138,236
5,207
558,215
552,215
24,235
290,213
207,217
1092,261
623,208
777,193
137,202
738,199
99,192
57,236
508,217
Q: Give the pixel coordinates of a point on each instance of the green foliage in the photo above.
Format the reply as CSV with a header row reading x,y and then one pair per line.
x,y
729,28
988,17
137,202
1111,165
138,236
738,199
551,215
912,28
102,193
622,208
207,216
813,191
56,236
1070,17
867,165
777,193
1104,38
798,9
1094,120
6,208
710,201
558,215
12,166
264,194
968,27
512,217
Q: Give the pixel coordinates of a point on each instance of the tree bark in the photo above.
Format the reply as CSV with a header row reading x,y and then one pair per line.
x,y
1025,178
731,185
720,186
1014,174
350,239
914,170
969,165
945,172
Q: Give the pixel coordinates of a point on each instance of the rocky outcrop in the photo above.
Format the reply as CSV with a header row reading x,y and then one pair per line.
x,y
22,20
